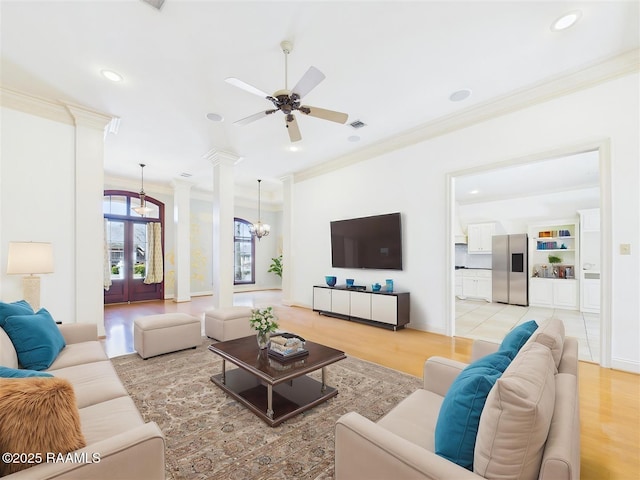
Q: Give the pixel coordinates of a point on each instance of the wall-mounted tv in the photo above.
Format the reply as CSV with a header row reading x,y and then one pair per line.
x,y
367,242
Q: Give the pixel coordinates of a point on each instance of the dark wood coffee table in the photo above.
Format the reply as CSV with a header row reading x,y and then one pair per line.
x,y
274,390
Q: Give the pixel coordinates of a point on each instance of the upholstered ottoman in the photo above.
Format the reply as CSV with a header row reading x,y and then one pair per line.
x,y
164,333
227,323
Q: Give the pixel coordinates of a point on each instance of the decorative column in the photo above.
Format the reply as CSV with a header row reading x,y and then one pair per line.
x,y
223,215
89,191
182,225
287,241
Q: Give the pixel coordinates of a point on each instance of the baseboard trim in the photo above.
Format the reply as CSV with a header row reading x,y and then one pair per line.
x,y
625,365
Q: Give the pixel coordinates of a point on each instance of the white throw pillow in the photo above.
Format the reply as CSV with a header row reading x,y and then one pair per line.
x,y
515,421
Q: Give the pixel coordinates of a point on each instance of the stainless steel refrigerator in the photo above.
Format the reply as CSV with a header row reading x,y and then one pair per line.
x,y
509,264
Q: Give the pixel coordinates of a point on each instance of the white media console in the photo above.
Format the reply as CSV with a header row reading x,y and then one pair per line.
x,y
384,309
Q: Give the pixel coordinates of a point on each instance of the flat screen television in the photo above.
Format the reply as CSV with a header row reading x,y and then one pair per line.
x,y
367,242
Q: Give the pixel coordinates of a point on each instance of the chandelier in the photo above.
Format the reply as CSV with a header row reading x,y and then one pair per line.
x,y
259,229
142,210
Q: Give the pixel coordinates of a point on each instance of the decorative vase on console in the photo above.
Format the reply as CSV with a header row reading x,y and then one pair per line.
x,y
389,284
331,281
263,321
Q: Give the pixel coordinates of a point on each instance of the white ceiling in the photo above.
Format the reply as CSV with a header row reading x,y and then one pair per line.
x,y
389,64
565,174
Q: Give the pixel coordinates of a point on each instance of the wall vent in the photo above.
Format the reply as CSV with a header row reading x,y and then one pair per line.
x,y
186,175
358,124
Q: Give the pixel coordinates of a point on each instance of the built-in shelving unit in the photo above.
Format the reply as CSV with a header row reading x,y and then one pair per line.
x,y
384,309
554,284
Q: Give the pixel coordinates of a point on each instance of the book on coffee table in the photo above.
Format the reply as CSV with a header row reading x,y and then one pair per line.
x,y
286,346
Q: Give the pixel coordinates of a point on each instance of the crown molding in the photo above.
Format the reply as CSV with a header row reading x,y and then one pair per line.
x,y
35,105
86,117
58,111
220,157
553,87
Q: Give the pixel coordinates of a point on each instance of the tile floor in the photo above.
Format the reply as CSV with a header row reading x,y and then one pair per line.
x,y
491,321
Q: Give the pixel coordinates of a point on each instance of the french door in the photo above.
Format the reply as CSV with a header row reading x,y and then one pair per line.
x,y
127,245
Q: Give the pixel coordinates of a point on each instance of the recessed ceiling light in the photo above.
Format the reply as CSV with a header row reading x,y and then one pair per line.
x,y
354,138
565,21
111,75
214,117
293,148
460,95
473,192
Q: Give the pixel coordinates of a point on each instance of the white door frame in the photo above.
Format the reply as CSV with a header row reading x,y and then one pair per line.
x,y
604,153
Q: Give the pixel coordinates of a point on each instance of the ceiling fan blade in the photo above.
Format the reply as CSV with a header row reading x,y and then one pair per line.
x,y
308,82
292,128
245,86
253,118
337,117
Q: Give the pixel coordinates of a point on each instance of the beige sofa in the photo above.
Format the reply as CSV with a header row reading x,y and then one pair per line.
x,y
401,445
128,447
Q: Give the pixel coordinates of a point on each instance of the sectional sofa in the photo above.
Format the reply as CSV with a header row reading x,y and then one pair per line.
x,y
118,443
527,424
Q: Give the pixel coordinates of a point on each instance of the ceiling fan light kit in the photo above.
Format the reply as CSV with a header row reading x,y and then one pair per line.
x,y
288,101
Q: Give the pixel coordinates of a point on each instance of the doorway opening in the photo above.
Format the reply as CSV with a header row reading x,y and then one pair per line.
x,y
595,343
131,244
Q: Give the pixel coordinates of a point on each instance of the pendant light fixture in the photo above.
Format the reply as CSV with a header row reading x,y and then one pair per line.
x,y
142,210
259,229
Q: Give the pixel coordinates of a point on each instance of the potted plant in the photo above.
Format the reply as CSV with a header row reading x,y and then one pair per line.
x,y
554,260
276,266
263,321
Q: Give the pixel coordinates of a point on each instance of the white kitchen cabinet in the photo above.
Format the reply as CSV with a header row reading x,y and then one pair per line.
x,y
458,283
540,292
590,220
476,284
379,308
553,293
479,237
590,260
565,294
590,298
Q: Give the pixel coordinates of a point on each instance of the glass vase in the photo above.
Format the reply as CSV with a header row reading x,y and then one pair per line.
x,y
263,339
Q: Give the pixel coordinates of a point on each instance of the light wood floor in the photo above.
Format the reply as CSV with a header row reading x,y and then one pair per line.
x,y
609,399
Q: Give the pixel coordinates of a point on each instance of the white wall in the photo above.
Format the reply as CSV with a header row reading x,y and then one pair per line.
x,y
413,181
37,204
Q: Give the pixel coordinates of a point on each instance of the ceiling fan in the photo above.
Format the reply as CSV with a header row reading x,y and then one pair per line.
x,y
288,101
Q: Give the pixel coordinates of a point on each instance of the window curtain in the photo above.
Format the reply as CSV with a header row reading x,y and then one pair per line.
x,y
106,274
154,264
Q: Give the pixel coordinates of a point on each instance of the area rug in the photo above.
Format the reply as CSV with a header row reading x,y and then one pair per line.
x,y
211,436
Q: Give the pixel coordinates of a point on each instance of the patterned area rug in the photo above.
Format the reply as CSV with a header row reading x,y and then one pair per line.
x,y
211,436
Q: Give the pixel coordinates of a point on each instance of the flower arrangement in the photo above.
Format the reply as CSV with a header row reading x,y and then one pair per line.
x,y
263,321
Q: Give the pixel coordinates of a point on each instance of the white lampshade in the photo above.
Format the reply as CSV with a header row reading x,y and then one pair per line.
x,y
28,258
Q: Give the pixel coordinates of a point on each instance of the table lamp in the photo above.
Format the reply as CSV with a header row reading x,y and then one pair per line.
x,y
30,259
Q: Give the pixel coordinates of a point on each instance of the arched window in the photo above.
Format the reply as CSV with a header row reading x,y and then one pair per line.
x,y
244,264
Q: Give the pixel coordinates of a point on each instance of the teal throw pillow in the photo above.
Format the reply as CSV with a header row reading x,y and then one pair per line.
x,y
517,337
6,372
459,417
21,307
36,338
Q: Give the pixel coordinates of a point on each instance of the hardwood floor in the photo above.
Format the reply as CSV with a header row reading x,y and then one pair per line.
x,y
609,399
